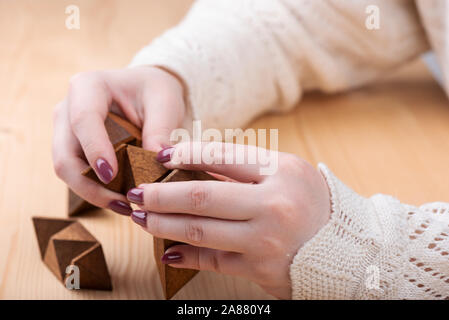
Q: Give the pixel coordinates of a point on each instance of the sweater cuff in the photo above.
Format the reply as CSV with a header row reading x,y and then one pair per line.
x,y
333,264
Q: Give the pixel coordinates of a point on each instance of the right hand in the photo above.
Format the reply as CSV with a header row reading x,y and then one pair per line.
x,y
149,97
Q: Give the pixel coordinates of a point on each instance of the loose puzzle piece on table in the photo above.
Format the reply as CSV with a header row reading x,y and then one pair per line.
x,y
65,242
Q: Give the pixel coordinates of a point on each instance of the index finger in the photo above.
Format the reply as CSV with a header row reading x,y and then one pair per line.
x,y
88,107
243,163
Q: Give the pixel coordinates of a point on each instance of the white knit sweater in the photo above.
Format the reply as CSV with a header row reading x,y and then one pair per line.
x,y
241,58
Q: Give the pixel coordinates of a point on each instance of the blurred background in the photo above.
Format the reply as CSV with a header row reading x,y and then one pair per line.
x,y
391,137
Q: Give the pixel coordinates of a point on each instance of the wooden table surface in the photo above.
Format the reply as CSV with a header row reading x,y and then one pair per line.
x,y
391,137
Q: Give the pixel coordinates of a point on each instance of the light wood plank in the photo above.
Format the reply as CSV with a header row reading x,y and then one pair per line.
x,y
391,137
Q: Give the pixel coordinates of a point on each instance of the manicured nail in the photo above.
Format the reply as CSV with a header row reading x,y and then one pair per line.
x,y
165,154
135,195
120,207
139,217
171,257
104,170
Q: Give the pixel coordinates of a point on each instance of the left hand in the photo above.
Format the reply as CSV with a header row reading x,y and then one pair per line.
x,y
251,228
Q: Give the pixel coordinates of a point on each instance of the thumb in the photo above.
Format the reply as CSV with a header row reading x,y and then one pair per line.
x,y
163,112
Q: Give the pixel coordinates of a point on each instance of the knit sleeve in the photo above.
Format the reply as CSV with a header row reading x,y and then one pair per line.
x,y
239,59
374,248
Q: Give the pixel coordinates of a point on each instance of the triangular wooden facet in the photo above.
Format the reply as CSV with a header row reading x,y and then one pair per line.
x,y
173,279
67,250
75,232
144,166
66,241
45,228
123,180
78,205
120,132
94,272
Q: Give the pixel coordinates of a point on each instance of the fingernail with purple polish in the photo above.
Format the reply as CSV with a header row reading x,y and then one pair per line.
x,y
120,207
104,170
172,257
135,195
139,217
165,154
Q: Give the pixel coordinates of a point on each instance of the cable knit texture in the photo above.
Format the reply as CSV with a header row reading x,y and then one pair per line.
x,y
374,248
241,58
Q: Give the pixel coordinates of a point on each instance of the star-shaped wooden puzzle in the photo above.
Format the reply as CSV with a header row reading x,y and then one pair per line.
x,y
65,242
137,166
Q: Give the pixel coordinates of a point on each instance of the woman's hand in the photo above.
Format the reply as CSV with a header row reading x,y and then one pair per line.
x,y
149,97
251,229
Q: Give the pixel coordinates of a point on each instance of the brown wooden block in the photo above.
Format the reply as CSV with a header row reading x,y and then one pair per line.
x,y
120,131
144,166
64,242
78,205
92,265
123,181
137,166
173,279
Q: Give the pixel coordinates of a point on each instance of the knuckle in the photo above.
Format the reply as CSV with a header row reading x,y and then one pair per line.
x,y
152,197
76,80
270,244
194,232
153,224
83,77
282,211
90,149
57,111
209,261
59,167
77,118
279,205
290,163
262,270
199,196
214,263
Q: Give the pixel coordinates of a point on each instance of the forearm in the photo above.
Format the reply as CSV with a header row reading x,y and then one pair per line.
x,y
375,248
239,59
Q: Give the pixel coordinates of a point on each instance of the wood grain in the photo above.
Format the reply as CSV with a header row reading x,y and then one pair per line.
x,y
391,137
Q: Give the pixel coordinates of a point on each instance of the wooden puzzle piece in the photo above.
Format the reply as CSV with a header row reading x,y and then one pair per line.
x,y
173,279
78,205
137,166
120,131
123,180
64,242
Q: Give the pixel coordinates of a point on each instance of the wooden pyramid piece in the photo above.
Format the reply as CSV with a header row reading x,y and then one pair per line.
x,y
78,205
123,180
120,131
92,265
45,228
144,166
137,166
173,279
64,242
